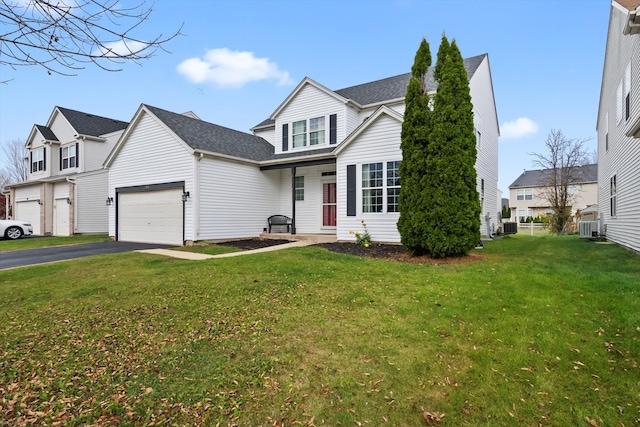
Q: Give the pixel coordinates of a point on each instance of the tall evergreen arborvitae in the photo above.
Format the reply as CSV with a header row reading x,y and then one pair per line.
x,y
452,204
415,129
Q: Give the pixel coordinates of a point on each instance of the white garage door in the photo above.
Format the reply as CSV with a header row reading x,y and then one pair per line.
x,y
28,212
151,217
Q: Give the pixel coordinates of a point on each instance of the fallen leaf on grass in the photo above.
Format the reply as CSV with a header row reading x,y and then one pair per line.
x,y
430,417
591,421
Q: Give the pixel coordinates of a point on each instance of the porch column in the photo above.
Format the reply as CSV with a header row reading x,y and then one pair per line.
x,y
293,200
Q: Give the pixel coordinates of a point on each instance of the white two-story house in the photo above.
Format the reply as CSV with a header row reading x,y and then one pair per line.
x,y
326,158
66,187
618,128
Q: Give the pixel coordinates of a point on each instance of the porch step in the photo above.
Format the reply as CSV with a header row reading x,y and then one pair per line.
x,y
316,238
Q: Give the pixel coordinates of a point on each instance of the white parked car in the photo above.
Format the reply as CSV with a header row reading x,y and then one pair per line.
x,y
10,229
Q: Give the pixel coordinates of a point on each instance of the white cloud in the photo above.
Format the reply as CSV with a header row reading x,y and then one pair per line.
x,y
120,48
518,128
227,68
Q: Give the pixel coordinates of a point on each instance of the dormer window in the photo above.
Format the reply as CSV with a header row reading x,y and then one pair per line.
x,y
38,160
313,132
69,157
299,133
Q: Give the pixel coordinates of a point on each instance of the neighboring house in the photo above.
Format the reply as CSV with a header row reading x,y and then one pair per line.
x,y
618,128
66,186
527,193
325,158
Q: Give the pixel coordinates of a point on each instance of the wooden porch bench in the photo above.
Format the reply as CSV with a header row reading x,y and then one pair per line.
x,y
280,221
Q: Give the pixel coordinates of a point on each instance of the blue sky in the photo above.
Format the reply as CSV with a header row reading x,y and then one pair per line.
x,y
239,59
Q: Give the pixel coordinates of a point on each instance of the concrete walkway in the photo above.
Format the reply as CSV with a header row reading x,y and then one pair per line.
x,y
197,256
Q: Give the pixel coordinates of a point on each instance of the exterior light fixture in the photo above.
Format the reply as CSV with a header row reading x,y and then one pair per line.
x,y
185,196
68,201
109,201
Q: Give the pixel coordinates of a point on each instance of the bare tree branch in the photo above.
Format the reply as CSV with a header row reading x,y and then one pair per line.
x,y
562,169
16,168
63,36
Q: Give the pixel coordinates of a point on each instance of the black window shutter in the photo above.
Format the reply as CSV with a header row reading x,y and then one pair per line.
x,y
333,132
285,137
60,158
77,154
351,190
31,162
44,159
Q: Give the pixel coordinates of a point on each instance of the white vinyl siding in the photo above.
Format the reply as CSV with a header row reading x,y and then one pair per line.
x,y
622,59
91,210
94,153
152,155
236,199
380,142
481,89
267,134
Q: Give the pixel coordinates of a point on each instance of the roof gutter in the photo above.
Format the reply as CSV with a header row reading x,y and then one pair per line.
x,y
89,137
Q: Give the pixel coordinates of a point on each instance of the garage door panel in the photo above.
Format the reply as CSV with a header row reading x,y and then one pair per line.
x,y
151,217
28,212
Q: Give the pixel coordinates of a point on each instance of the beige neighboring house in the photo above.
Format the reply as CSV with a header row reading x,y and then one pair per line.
x,y
527,193
66,186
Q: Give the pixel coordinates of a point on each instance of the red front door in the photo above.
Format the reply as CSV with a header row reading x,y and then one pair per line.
x,y
329,204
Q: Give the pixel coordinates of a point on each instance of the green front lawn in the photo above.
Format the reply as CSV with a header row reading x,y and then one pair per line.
x,y
43,242
541,331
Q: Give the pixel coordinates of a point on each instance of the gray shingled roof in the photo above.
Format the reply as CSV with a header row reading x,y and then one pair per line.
x,y
536,177
47,133
391,88
396,87
205,136
89,124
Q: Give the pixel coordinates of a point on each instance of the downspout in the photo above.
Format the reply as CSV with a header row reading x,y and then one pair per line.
x,y
293,200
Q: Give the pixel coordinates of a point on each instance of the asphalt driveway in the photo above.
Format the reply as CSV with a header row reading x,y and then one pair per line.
x,y
21,258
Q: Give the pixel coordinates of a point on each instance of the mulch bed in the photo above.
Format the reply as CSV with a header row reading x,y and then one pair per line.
x,y
376,250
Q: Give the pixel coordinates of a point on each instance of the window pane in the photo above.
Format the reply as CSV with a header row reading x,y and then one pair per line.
x,y
299,140
372,200
392,199
372,175
316,124
299,183
299,127
393,174
316,138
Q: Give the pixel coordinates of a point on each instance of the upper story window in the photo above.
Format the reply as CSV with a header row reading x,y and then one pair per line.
x,y
299,133
477,129
38,160
524,194
308,132
606,132
627,92
69,157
